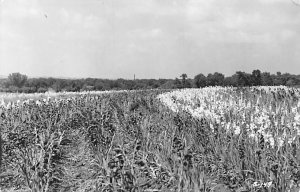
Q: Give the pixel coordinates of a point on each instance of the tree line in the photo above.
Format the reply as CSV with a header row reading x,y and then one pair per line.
x,y
17,82
241,79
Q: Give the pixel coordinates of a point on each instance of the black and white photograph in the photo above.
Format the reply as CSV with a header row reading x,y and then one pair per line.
x,y
149,95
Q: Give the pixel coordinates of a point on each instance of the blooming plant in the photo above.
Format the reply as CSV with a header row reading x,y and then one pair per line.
x,y
210,139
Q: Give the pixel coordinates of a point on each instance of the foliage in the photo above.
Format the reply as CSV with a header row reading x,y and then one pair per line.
x,y
254,132
200,80
256,78
211,139
184,77
216,79
17,79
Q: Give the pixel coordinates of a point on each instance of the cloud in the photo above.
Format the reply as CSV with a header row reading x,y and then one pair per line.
x,y
272,1
20,9
255,21
150,37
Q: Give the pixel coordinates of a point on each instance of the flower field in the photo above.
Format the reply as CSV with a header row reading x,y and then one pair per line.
x,y
210,139
259,111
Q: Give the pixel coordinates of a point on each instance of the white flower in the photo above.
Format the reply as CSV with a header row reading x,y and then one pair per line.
x,y
215,103
297,118
2,102
280,141
256,184
290,140
298,131
237,130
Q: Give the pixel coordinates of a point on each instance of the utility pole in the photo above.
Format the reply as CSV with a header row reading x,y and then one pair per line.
x,y
134,77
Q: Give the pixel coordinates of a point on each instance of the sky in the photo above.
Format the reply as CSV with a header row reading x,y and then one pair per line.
x,y
149,38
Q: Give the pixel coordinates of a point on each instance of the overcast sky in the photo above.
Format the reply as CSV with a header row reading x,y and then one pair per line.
x,y
149,38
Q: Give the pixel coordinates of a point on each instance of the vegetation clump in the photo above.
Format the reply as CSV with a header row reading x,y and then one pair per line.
x,y
212,139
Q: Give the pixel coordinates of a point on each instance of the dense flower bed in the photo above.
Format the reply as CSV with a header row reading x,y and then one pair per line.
x,y
273,112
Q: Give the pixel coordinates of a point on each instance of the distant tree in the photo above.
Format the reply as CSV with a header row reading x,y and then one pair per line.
x,y
216,79
291,82
243,79
168,84
285,78
178,84
17,79
277,80
183,77
219,78
210,80
19,83
42,90
267,79
162,82
200,80
152,83
27,89
59,85
89,81
77,84
231,80
256,78
188,83
87,88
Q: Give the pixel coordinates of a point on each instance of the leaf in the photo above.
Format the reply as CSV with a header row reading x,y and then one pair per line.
x,y
220,188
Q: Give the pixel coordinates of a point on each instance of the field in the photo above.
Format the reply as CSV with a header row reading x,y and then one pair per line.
x,y
211,139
